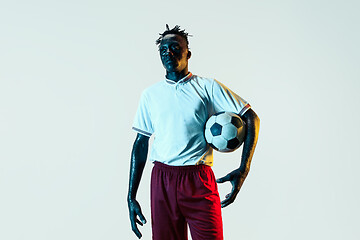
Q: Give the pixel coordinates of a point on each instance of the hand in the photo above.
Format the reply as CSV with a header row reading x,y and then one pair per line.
x,y
236,178
134,211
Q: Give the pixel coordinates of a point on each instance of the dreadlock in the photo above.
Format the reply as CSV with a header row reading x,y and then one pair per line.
x,y
175,30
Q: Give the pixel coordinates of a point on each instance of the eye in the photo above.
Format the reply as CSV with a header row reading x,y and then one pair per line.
x,y
162,50
176,47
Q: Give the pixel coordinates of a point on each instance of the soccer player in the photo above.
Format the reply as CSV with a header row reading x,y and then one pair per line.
x,y
183,187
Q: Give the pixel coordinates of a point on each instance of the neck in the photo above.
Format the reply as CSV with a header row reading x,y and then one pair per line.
x,y
176,76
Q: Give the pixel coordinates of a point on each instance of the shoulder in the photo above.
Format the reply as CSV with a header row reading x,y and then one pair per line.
x,y
204,81
201,78
153,89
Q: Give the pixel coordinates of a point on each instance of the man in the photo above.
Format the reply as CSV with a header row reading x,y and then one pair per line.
x,y
183,187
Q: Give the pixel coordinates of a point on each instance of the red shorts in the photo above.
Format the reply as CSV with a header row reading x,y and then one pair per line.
x,y
185,195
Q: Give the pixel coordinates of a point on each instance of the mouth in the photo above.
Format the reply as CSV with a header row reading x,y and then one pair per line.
x,y
169,60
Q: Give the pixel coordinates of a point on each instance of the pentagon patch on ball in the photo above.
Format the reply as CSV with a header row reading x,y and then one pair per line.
x,y
225,131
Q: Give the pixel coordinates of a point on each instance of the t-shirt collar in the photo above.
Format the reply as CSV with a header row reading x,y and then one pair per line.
x,y
184,79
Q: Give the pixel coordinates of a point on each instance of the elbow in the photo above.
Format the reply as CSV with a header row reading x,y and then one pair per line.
x,y
256,120
251,118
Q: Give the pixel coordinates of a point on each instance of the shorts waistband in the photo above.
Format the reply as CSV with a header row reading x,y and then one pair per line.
x,y
188,168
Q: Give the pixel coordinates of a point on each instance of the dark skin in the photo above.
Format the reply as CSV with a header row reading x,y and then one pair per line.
x,y
237,177
174,55
138,160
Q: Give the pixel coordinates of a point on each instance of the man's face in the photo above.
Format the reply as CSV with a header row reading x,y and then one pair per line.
x,y
174,53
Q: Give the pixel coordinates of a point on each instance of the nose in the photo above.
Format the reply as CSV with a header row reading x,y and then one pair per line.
x,y
167,52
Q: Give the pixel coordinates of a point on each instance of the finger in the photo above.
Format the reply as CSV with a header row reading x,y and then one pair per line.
x,y
135,229
229,198
223,179
141,216
227,201
138,234
232,190
138,221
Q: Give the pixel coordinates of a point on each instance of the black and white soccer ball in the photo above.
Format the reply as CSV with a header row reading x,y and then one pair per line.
x,y
225,131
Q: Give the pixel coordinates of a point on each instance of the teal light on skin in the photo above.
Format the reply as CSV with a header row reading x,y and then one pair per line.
x,y
174,55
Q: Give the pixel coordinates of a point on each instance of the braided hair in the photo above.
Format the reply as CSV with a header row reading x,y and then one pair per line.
x,y
175,30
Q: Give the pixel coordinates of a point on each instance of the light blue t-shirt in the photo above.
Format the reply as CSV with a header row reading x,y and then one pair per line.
x,y
176,113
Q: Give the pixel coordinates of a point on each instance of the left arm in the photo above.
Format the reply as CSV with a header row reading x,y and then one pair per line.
x,y
237,177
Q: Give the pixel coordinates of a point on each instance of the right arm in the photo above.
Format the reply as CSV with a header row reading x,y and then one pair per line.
x,y
138,160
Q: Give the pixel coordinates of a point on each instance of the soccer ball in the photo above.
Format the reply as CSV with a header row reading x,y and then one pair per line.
x,y
225,131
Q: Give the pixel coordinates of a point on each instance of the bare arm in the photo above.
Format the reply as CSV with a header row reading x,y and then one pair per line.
x,y
237,177
138,160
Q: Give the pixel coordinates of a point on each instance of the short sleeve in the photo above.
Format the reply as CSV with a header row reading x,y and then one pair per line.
x,y
142,122
226,100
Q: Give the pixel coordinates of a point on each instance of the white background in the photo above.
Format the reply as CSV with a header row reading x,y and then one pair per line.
x,y
71,74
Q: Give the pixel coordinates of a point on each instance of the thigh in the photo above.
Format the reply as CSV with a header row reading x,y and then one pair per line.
x,y
166,219
199,202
